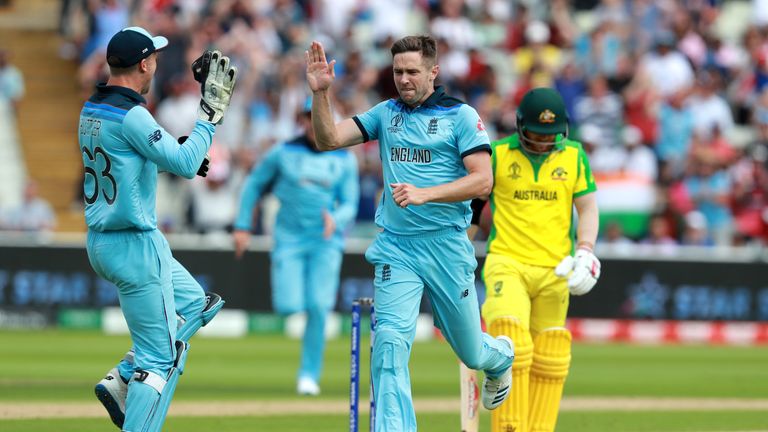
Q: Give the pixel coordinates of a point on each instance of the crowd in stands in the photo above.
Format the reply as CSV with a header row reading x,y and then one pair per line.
x,y
670,103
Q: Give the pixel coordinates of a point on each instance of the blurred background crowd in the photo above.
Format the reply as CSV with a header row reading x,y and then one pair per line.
x,y
669,98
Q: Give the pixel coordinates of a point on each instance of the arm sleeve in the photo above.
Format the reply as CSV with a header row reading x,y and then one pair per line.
x,y
257,183
348,194
471,135
157,145
585,181
369,121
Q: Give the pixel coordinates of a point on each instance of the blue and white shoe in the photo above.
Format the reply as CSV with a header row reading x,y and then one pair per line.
x,y
112,392
496,390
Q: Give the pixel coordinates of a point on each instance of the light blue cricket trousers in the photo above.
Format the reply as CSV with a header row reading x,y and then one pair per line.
x,y
444,263
152,288
305,277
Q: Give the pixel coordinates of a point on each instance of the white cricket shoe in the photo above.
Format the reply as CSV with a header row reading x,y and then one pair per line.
x,y
496,390
112,391
307,387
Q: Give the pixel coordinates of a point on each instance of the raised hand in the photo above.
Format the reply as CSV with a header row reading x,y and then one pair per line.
x,y
320,73
217,88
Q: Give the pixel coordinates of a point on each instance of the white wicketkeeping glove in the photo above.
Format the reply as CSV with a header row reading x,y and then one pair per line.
x,y
584,270
217,88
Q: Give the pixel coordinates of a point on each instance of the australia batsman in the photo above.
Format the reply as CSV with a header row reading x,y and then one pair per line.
x,y
533,260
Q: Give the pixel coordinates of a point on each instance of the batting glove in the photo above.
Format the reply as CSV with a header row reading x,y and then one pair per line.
x,y
217,87
584,270
203,170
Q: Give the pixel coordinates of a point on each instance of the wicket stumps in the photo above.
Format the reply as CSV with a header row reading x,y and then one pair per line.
x,y
354,375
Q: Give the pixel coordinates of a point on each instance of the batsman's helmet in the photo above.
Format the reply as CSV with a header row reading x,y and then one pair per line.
x,y
542,111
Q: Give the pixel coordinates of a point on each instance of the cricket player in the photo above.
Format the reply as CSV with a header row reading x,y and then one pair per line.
x,y
539,175
318,194
435,154
123,148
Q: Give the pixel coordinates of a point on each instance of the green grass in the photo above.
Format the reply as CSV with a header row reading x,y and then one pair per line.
x,y
62,366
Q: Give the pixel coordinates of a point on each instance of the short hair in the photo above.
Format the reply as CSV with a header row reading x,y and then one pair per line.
x,y
119,71
424,44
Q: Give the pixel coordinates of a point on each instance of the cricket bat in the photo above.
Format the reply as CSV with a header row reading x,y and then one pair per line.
x,y
470,399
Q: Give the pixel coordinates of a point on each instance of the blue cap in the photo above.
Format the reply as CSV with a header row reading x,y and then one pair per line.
x,y
132,45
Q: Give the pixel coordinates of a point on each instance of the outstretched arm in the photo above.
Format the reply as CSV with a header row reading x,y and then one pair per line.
x,y
320,76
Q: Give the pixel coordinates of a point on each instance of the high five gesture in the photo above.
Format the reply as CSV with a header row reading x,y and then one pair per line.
x,y
320,73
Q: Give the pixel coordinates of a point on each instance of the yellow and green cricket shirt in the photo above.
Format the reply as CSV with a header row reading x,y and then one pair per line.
x,y
532,201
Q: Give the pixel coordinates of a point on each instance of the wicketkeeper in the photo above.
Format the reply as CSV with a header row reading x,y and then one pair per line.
x,y
123,148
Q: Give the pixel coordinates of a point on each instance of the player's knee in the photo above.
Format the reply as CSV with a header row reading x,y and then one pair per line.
x,y
319,307
284,305
471,360
390,352
552,353
520,335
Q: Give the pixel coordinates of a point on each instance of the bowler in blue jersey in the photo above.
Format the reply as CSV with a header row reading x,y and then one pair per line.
x,y
123,148
435,156
318,194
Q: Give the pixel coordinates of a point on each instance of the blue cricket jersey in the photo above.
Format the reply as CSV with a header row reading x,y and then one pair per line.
x,y
306,182
123,147
423,146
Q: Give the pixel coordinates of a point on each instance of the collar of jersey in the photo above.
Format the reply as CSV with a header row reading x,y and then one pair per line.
x,y
431,101
514,142
123,91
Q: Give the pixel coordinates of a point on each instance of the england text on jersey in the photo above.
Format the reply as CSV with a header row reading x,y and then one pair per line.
x,y
411,155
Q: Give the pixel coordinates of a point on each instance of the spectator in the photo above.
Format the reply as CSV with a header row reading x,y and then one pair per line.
x,y
659,238
538,55
695,231
11,83
33,214
710,110
749,194
675,135
669,70
214,198
109,17
709,187
602,108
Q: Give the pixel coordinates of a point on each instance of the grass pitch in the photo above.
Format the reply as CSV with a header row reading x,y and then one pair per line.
x,y
46,373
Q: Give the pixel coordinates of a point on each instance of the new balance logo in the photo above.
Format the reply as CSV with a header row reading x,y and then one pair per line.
x,y
154,137
386,273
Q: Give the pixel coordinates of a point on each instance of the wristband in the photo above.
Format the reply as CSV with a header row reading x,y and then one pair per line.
x,y
477,209
586,246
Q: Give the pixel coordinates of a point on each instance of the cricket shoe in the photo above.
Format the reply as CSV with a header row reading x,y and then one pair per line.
x,y
496,390
112,391
307,387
